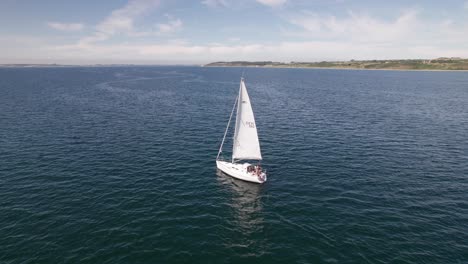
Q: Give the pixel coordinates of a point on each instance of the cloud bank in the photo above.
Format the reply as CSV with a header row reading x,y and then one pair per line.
x,y
303,35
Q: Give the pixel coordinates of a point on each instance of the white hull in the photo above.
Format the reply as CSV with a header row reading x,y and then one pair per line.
x,y
239,171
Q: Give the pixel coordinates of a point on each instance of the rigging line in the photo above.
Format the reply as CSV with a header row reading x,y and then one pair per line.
x,y
227,127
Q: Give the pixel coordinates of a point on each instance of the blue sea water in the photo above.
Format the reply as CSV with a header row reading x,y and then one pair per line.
x,y
116,165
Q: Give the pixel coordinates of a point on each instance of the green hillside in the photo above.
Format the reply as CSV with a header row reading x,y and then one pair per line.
x,y
434,64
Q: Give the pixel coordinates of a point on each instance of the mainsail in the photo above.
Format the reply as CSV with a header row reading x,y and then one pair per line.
x,y
246,145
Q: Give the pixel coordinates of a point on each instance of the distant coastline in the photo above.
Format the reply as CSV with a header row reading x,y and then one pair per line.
x,y
24,65
439,64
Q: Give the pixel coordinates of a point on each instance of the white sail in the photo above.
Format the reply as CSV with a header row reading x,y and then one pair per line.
x,y
246,145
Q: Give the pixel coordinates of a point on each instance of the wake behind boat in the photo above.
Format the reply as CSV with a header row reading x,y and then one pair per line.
x,y
246,146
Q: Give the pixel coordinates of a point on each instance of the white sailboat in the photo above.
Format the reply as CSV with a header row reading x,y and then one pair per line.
x,y
246,146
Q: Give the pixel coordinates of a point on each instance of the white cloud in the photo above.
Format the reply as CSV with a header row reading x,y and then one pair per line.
x,y
66,26
180,50
272,3
284,51
215,3
366,37
465,5
98,36
311,37
355,36
121,21
358,27
171,26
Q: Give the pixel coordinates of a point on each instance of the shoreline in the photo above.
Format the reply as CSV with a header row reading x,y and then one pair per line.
x,y
334,68
437,64
229,66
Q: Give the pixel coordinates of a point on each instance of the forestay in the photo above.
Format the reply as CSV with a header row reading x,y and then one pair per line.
x,y
246,145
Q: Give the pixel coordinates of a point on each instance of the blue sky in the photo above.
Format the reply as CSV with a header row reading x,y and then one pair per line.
x,y
182,31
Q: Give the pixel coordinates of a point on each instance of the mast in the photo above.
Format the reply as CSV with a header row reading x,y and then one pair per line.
x,y
237,117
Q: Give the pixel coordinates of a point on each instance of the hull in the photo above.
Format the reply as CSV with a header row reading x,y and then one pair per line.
x,y
239,171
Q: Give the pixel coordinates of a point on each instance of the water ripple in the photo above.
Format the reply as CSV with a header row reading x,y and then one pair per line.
x,y
116,165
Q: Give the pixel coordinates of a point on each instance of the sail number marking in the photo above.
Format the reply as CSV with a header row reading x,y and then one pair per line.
x,y
250,124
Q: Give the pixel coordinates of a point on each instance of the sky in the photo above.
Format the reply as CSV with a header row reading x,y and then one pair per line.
x,y
203,31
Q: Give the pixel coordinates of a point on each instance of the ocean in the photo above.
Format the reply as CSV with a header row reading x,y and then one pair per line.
x,y
117,165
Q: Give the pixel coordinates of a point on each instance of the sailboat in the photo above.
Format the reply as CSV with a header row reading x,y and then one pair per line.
x,y
246,146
